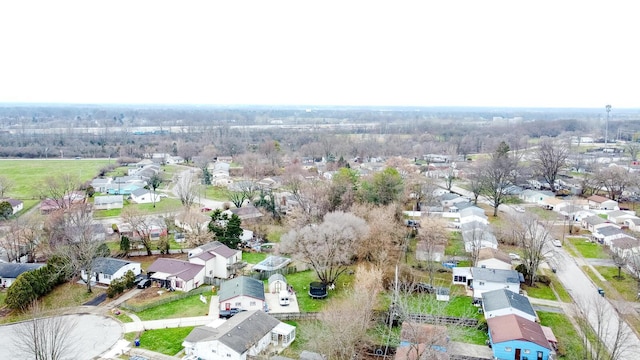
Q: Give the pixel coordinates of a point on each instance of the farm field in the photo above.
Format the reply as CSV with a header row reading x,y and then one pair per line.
x,y
27,174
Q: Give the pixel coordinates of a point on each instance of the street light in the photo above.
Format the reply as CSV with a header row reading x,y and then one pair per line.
x,y
606,131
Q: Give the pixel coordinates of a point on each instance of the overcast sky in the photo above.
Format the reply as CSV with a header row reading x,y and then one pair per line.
x,y
557,53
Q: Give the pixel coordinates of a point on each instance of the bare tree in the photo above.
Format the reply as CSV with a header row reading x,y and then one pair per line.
x,y
534,239
142,226
473,235
61,190
22,237
6,185
186,188
595,314
344,325
633,148
46,338
496,175
615,179
550,158
432,232
383,243
327,247
194,223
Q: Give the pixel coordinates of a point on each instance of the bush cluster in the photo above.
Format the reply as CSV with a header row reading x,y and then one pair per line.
x,y
118,286
31,285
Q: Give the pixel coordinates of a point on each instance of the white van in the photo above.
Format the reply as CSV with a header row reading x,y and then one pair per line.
x,y
284,298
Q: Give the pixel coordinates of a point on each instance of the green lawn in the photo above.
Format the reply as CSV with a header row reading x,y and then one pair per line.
x,y
589,249
468,335
164,341
253,257
455,245
569,341
218,193
627,287
300,283
26,175
187,307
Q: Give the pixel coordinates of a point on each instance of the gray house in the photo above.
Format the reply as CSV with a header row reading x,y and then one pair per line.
x,y
242,292
9,272
504,302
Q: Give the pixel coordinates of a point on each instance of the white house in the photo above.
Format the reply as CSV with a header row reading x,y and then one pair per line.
x,y
633,224
473,213
16,205
605,234
176,274
9,272
592,223
107,202
535,196
619,216
625,246
602,203
477,236
218,259
101,185
144,196
246,334
243,293
485,279
106,270
504,302
462,276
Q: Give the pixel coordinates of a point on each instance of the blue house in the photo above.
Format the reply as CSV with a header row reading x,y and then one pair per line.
x,y
515,338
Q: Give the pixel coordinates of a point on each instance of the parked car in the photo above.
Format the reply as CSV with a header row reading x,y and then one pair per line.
x,y
556,243
519,209
514,256
424,288
144,284
226,314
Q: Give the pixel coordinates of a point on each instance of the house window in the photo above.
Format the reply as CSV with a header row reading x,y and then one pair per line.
x,y
459,278
238,304
527,351
106,276
481,283
253,303
507,349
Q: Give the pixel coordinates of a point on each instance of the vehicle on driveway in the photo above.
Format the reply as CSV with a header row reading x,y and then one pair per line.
x,y
226,314
556,243
145,283
514,256
519,209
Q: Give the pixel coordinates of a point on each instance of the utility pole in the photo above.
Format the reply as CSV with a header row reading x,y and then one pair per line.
x,y
606,131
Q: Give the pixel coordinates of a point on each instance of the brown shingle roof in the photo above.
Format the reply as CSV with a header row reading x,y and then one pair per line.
x,y
513,327
182,269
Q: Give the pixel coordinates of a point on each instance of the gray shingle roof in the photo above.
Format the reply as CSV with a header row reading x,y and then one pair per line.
x,y
496,275
242,285
12,271
503,298
609,230
139,192
239,333
108,266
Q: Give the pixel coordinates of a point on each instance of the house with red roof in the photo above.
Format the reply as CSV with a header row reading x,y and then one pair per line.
x,y
176,274
514,337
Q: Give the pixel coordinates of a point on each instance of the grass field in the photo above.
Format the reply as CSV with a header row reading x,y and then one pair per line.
x,y
27,175
164,341
589,249
627,287
187,307
569,341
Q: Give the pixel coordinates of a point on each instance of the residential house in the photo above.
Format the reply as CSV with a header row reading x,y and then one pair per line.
x,y
192,221
514,337
473,213
592,223
9,272
420,341
619,216
605,234
491,258
247,212
633,224
450,199
477,236
123,188
100,185
176,274
277,283
243,293
462,276
552,203
460,205
16,205
144,196
218,259
245,335
105,270
535,196
625,246
602,203
429,252
220,174
502,302
107,202
485,279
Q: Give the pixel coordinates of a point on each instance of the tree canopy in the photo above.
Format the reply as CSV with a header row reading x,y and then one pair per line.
x,y
226,228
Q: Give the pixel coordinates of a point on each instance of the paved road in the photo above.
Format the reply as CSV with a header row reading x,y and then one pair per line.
x,y
91,336
584,292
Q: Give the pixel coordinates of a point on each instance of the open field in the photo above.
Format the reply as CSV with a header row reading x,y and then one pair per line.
x,y
26,175
589,249
164,341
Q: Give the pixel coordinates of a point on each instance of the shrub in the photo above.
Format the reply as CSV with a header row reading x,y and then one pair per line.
x,y
118,286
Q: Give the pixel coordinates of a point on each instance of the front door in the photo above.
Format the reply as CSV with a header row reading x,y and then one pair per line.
x,y
517,354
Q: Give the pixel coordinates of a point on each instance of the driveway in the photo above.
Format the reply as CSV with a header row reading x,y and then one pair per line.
x,y
91,336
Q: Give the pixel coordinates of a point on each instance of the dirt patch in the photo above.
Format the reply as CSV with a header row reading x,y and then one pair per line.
x,y
146,261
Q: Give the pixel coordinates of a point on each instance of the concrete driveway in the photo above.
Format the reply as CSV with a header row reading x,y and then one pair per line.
x,y
91,336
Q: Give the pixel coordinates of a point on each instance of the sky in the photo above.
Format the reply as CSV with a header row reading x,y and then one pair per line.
x,y
393,53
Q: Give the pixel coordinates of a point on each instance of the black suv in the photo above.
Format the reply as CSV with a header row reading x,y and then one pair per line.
x,y
225,314
143,284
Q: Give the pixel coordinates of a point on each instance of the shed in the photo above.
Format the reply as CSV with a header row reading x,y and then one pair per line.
x,y
277,283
